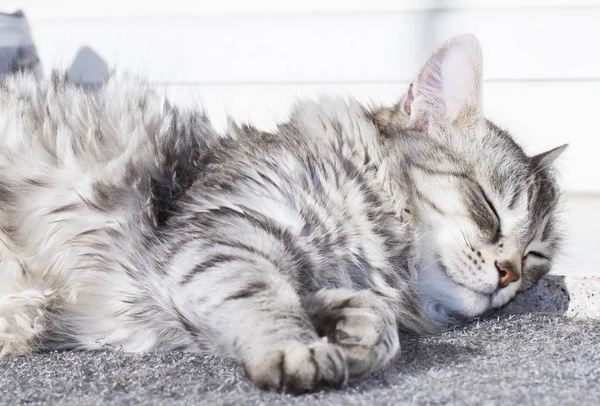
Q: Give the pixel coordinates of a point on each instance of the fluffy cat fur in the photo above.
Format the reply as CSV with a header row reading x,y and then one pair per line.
x,y
129,223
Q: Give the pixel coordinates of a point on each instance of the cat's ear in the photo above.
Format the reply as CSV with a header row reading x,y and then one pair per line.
x,y
545,159
448,87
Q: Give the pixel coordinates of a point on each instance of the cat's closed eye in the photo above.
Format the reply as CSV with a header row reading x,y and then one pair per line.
x,y
535,254
498,230
537,249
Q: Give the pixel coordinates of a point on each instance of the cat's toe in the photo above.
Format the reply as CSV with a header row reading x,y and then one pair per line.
x,y
301,369
309,368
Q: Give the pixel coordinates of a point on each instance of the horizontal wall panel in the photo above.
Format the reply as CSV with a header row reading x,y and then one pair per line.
x,y
581,245
540,44
73,10
257,49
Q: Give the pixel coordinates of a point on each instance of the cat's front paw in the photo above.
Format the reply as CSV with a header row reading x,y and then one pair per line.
x,y
367,334
300,369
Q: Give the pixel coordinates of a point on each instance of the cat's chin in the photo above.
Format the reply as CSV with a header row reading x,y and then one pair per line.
x,y
446,301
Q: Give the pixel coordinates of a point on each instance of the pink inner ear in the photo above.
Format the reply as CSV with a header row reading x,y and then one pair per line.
x,y
409,99
448,85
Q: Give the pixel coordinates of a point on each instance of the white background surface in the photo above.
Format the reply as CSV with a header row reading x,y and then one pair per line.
x,y
251,59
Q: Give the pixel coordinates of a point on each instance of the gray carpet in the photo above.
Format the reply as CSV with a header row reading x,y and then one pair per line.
x,y
545,360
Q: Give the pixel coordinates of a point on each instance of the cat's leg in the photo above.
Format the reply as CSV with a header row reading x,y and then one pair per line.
x,y
359,322
22,307
267,330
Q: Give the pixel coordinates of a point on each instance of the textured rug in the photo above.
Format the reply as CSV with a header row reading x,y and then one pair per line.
x,y
527,359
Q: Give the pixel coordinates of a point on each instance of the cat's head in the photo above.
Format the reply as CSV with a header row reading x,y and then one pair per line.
x,y
487,210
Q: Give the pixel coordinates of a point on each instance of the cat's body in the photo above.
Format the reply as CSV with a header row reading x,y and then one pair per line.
x,y
127,223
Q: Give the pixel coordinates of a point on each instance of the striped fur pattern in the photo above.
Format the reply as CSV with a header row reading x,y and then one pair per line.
x,y
128,223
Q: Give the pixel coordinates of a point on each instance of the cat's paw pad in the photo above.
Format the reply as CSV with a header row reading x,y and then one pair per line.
x,y
301,369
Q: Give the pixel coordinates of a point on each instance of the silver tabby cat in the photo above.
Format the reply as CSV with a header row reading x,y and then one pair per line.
x,y
128,223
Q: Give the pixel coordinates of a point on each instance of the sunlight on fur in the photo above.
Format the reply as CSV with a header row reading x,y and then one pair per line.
x,y
128,222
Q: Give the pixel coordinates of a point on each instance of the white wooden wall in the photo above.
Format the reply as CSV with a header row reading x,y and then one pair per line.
x,y
251,59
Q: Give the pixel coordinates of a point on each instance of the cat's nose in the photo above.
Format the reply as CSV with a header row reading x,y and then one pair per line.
x,y
507,273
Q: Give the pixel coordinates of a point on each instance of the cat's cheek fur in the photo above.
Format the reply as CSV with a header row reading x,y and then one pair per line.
x,y
448,237
462,264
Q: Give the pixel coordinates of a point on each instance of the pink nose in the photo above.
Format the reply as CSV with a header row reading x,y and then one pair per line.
x,y
506,273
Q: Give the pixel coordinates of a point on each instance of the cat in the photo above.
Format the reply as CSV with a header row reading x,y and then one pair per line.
x,y
129,223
